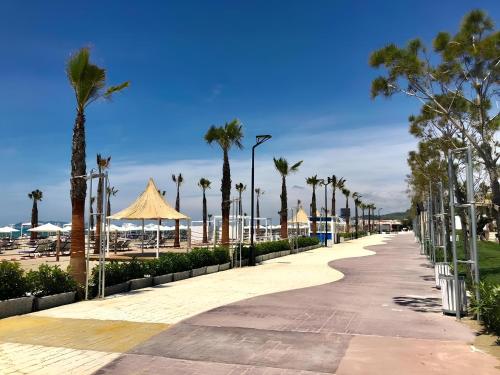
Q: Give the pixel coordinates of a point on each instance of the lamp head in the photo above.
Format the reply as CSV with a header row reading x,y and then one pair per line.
x,y
259,139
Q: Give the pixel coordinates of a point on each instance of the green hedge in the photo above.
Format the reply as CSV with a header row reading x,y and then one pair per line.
x,y
307,241
12,280
489,306
118,272
48,280
45,281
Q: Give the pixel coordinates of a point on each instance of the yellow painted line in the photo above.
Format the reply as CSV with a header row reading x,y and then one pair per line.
x,y
83,334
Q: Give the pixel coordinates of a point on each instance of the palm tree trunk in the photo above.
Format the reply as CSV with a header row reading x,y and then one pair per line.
x,y
333,202
34,219
78,194
313,204
258,215
99,209
177,239
205,235
356,219
347,216
226,198
363,219
284,210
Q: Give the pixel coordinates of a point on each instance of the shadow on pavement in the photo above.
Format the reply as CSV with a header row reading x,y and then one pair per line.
x,y
419,304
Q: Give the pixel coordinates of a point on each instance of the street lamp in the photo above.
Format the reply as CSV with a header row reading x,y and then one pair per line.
x,y
379,230
259,139
325,183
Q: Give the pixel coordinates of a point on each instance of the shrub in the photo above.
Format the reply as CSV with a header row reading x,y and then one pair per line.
x,y
48,280
135,269
271,247
489,306
221,255
307,241
114,273
201,258
179,261
12,281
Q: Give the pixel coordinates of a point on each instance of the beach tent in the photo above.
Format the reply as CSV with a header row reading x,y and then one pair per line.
x,y
301,220
151,205
50,228
8,230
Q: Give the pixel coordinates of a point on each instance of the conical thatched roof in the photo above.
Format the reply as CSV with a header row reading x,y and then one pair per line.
x,y
300,217
149,206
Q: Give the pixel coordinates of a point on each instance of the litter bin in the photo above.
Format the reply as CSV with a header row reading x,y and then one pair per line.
x,y
441,268
449,305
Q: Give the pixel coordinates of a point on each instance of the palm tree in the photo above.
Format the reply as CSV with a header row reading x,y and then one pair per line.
x,y
102,164
371,207
313,181
111,191
240,188
357,202
89,84
363,208
35,196
347,194
259,192
336,184
284,170
178,180
226,136
204,184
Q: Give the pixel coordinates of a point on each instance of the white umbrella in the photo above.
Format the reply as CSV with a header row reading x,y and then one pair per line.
x,y
8,230
50,228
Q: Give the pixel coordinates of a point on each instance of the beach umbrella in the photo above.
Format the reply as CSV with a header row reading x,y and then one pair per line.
x,y
9,230
50,228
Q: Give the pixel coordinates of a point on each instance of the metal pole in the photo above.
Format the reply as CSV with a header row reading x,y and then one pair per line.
x,y
443,223
472,208
88,241
252,249
453,234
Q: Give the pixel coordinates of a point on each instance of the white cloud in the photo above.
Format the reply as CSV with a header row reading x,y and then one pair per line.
x,y
373,160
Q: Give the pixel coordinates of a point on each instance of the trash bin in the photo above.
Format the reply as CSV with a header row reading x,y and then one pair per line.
x,y
441,268
449,306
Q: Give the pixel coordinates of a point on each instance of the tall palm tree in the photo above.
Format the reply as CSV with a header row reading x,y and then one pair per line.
x,y
363,208
35,196
347,194
259,192
284,170
357,202
204,184
371,207
226,136
336,184
313,181
240,188
102,165
89,84
178,180
111,192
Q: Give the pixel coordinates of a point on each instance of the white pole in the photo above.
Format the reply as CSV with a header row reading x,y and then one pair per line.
x,y
158,240
189,235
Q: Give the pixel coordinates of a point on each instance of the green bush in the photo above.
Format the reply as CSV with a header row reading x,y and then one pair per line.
x,y
12,281
307,241
221,255
114,273
135,269
48,280
179,261
201,258
488,307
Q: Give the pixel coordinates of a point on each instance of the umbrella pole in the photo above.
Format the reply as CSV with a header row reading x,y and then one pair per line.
x,y
158,240
142,236
58,246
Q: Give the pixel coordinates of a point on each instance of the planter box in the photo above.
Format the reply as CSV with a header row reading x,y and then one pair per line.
x,y
198,271
16,306
143,282
212,269
163,279
259,258
441,269
117,288
448,289
285,253
181,275
342,239
266,256
225,266
47,302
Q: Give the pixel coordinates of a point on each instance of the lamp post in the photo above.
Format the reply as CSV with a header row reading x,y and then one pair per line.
x,y
259,139
379,228
325,183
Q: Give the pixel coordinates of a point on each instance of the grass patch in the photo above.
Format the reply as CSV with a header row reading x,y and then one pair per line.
x,y
489,260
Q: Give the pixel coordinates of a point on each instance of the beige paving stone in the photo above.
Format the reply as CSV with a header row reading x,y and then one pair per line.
x,y
173,302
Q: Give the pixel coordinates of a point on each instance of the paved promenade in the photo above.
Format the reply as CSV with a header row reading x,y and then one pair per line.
x,y
291,315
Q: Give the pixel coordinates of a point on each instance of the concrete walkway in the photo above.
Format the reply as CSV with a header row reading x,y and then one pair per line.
x,y
291,315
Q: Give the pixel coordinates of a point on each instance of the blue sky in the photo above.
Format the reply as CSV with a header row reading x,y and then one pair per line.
x,y
297,70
